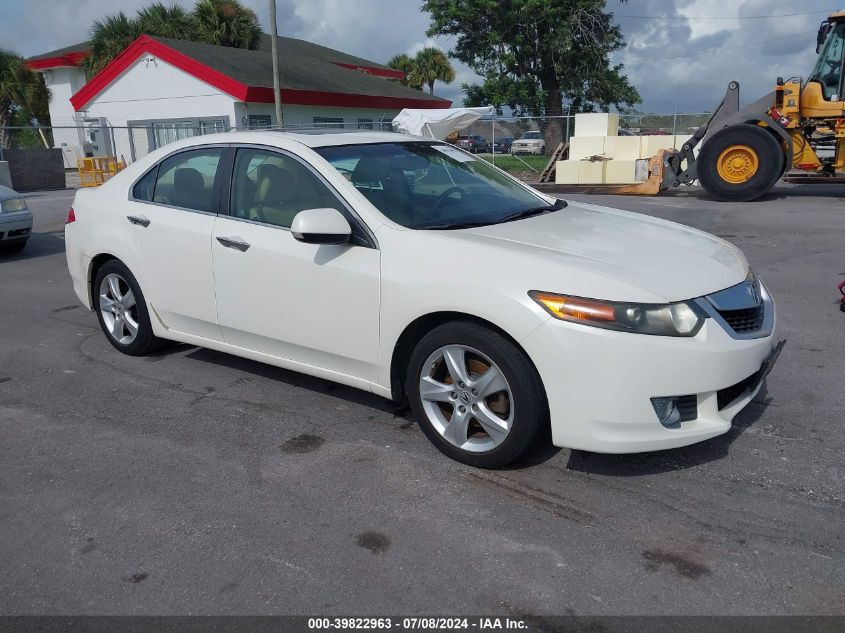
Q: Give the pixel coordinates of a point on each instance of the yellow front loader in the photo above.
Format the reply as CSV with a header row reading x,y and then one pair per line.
x,y
745,151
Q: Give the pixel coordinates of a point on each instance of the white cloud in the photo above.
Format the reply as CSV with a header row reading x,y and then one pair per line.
x,y
674,63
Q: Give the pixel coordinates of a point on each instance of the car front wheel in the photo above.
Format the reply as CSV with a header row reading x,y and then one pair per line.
x,y
122,310
475,395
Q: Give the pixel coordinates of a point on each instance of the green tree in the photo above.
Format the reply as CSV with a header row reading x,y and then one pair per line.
x,y
226,23
24,99
221,22
109,37
164,21
430,65
406,65
533,54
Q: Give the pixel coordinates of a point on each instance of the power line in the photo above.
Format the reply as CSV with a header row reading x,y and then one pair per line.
x,y
716,48
738,17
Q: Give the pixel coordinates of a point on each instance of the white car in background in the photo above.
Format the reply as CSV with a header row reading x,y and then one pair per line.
x,y
529,143
411,269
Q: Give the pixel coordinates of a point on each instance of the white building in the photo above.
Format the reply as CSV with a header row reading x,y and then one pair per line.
x,y
159,90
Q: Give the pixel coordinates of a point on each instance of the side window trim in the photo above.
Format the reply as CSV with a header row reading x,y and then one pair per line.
x,y
360,231
216,187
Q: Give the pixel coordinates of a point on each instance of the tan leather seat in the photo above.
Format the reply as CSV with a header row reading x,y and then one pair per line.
x,y
394,197
276,196
189,190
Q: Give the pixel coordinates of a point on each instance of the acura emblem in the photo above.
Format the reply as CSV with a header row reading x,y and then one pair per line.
x,y
465,397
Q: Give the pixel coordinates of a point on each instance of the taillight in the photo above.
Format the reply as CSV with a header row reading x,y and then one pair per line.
x,y
71,216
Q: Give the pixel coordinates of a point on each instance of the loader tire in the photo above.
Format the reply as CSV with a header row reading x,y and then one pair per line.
x,y
740,163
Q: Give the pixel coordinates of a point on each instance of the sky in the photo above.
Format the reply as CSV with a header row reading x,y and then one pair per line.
x,y
681,54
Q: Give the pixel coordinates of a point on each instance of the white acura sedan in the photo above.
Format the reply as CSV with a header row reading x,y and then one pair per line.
x,y
409,268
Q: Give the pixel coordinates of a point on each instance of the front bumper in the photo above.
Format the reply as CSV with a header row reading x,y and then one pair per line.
x,y
526,149
599,383
15,226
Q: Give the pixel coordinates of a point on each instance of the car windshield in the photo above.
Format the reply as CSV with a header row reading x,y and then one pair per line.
x,y
531,136
424,185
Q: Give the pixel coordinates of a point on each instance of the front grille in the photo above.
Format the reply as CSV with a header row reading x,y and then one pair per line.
x,y
745,320
724,397
687,407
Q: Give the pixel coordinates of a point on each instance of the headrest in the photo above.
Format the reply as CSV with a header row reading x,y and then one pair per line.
x,y
188,178
271,185
370,170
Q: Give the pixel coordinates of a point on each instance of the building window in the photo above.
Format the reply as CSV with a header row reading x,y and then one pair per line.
x,y
170,131
328,121
164,131
258,121
365,124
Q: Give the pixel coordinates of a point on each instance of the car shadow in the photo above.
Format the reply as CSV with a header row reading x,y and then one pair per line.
x,y
630,465
657,462
296,379
38,245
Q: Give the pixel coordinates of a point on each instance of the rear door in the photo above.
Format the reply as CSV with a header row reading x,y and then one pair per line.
x,y
169,221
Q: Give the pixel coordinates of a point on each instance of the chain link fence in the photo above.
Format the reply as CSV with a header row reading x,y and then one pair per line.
x,y
519,145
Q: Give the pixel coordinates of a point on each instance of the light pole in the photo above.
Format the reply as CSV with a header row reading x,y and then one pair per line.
x,y
277,82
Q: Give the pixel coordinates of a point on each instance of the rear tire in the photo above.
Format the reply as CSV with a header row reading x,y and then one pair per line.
x,y
502,411
122,310
740,163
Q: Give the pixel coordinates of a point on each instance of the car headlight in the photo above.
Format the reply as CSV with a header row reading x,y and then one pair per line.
x,y
12,204
659,319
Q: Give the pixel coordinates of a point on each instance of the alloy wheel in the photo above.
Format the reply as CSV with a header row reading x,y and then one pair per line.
x,y
119,309
466,398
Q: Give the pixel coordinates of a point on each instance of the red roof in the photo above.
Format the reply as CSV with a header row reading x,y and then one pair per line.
x,y
244,75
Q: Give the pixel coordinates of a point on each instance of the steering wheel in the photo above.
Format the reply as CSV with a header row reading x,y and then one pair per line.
x,y
441,199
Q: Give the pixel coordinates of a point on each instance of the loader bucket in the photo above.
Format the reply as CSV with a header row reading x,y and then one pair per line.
x,y
651,186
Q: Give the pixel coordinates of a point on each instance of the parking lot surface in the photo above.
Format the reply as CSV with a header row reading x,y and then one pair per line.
x,y
193,482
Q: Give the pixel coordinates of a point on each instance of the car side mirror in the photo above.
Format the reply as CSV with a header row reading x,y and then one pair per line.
x,y
321,226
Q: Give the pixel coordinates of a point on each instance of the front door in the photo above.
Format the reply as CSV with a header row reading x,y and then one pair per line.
x,y
313,304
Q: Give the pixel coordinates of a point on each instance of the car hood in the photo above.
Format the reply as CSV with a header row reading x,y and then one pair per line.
x,y
664,258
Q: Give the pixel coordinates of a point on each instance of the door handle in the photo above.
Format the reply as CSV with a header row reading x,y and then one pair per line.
x,y
138,220
236,244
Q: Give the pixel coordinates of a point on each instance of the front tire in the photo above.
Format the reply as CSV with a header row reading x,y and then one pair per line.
x,y
475,395
122,310
13,246
740,163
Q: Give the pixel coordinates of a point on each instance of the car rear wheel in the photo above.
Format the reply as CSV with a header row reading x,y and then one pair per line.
x,y
475,395
740,163
122,310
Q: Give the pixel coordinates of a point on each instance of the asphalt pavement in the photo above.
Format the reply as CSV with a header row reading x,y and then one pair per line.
x,y
193,482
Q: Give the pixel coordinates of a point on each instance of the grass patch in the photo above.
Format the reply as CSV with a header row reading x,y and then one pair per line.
x,y
524,164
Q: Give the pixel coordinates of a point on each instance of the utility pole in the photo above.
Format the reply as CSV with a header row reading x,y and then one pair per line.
x,y
277,82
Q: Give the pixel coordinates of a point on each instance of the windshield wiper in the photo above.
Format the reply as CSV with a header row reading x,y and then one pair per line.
x,y
527,213
456,225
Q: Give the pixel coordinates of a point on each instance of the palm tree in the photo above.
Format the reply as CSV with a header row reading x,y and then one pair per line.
x,y
173,21
23,96
226,23
406,65
222,22
109,38
431,64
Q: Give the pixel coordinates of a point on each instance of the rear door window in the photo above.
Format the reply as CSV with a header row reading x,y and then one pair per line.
x,y
187,180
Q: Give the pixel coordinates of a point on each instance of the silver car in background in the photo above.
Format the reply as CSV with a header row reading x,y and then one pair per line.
x,y
15,220
529,143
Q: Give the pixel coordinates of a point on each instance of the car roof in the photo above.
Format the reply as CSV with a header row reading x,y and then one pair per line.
x,y
309,138
312,137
